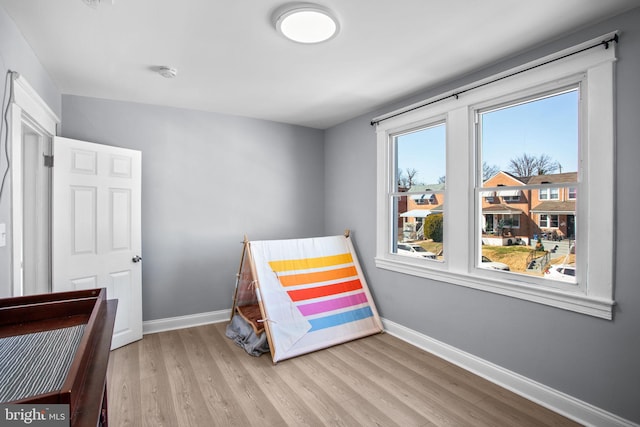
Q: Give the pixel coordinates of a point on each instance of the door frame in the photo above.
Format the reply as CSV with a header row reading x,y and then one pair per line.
x,y
27,109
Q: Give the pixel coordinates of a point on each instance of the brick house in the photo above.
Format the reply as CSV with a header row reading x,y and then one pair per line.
x,y
507,210
525,213
548,212
419,206
554,209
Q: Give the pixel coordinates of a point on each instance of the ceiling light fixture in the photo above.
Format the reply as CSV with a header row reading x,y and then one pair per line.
x,y
306,23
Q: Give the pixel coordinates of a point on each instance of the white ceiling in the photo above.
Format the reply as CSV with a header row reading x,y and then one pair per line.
x,y
231,60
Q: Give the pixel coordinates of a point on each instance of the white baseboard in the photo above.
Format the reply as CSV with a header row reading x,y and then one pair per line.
x,y
575,409
181,322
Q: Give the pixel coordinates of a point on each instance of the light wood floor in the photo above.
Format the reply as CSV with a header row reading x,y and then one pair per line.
x,y
198,377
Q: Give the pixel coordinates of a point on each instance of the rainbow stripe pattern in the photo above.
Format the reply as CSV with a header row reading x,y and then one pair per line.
x,y
312,292
326,289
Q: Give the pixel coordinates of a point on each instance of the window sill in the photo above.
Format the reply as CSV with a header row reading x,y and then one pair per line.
x,y
572,301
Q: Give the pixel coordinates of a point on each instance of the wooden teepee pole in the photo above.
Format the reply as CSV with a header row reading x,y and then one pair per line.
x,y
263,312
245,246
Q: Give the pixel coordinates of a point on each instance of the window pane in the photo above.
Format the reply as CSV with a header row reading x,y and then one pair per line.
x,y
523,145
420,159
544,221
420,175
531,138
418,232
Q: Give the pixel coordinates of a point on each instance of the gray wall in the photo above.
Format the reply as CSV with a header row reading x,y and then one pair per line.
x,y
16,55
592,359
207,180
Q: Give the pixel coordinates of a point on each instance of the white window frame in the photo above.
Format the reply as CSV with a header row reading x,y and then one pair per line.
x,y
514,217
548,192
547,221
593,70
392,189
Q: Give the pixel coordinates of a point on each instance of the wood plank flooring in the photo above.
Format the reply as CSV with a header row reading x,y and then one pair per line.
x,y
198,377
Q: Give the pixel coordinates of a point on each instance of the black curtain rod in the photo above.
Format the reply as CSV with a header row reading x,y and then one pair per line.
x,y
455,95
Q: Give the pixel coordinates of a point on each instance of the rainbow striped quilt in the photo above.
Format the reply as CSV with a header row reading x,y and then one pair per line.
x,y
313,293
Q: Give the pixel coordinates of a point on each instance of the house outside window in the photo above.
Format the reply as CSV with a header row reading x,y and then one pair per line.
x,y
556,219
479,213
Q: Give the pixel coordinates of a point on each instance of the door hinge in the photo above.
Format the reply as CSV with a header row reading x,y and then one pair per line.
x,y
48,161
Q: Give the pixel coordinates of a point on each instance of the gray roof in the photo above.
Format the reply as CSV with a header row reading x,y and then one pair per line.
x,y
555,207
501,209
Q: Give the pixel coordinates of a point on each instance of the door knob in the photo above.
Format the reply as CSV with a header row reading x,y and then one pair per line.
x,y
136,258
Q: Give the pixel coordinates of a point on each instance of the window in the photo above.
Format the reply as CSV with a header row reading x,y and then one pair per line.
x,y
508,209
512,221
548,221
419,169
548,194
504,130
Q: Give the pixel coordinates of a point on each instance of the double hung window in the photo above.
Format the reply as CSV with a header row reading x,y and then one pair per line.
x,y
548,194
548,221
419,171
504,162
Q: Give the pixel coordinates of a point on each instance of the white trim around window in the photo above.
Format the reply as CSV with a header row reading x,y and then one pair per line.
x,y
549,194
548,220
593,71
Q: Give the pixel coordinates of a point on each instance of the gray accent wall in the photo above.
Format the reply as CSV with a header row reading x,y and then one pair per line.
x,y
595,360
16,55
207,180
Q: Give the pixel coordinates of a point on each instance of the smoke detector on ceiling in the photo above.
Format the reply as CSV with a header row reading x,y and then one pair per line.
x,y
94,3
167,72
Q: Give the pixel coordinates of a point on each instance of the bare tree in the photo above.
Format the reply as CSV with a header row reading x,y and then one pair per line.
x,y
528,165
407,177
411,176
442,179
489,170
401,179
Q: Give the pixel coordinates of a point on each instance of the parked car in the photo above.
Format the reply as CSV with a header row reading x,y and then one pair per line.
x,y
414,250
493,265
562,272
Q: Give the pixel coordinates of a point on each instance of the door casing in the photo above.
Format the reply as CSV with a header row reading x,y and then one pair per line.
x,y
29,115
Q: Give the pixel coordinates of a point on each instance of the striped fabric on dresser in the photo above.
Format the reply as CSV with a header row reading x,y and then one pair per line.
x,y
36,363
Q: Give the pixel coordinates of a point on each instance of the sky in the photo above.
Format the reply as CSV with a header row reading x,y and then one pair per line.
x,y
544,126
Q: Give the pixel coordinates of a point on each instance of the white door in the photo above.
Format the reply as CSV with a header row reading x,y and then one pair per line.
x,y
97,227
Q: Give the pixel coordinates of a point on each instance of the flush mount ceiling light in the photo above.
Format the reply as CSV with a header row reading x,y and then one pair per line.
x,y
306,23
